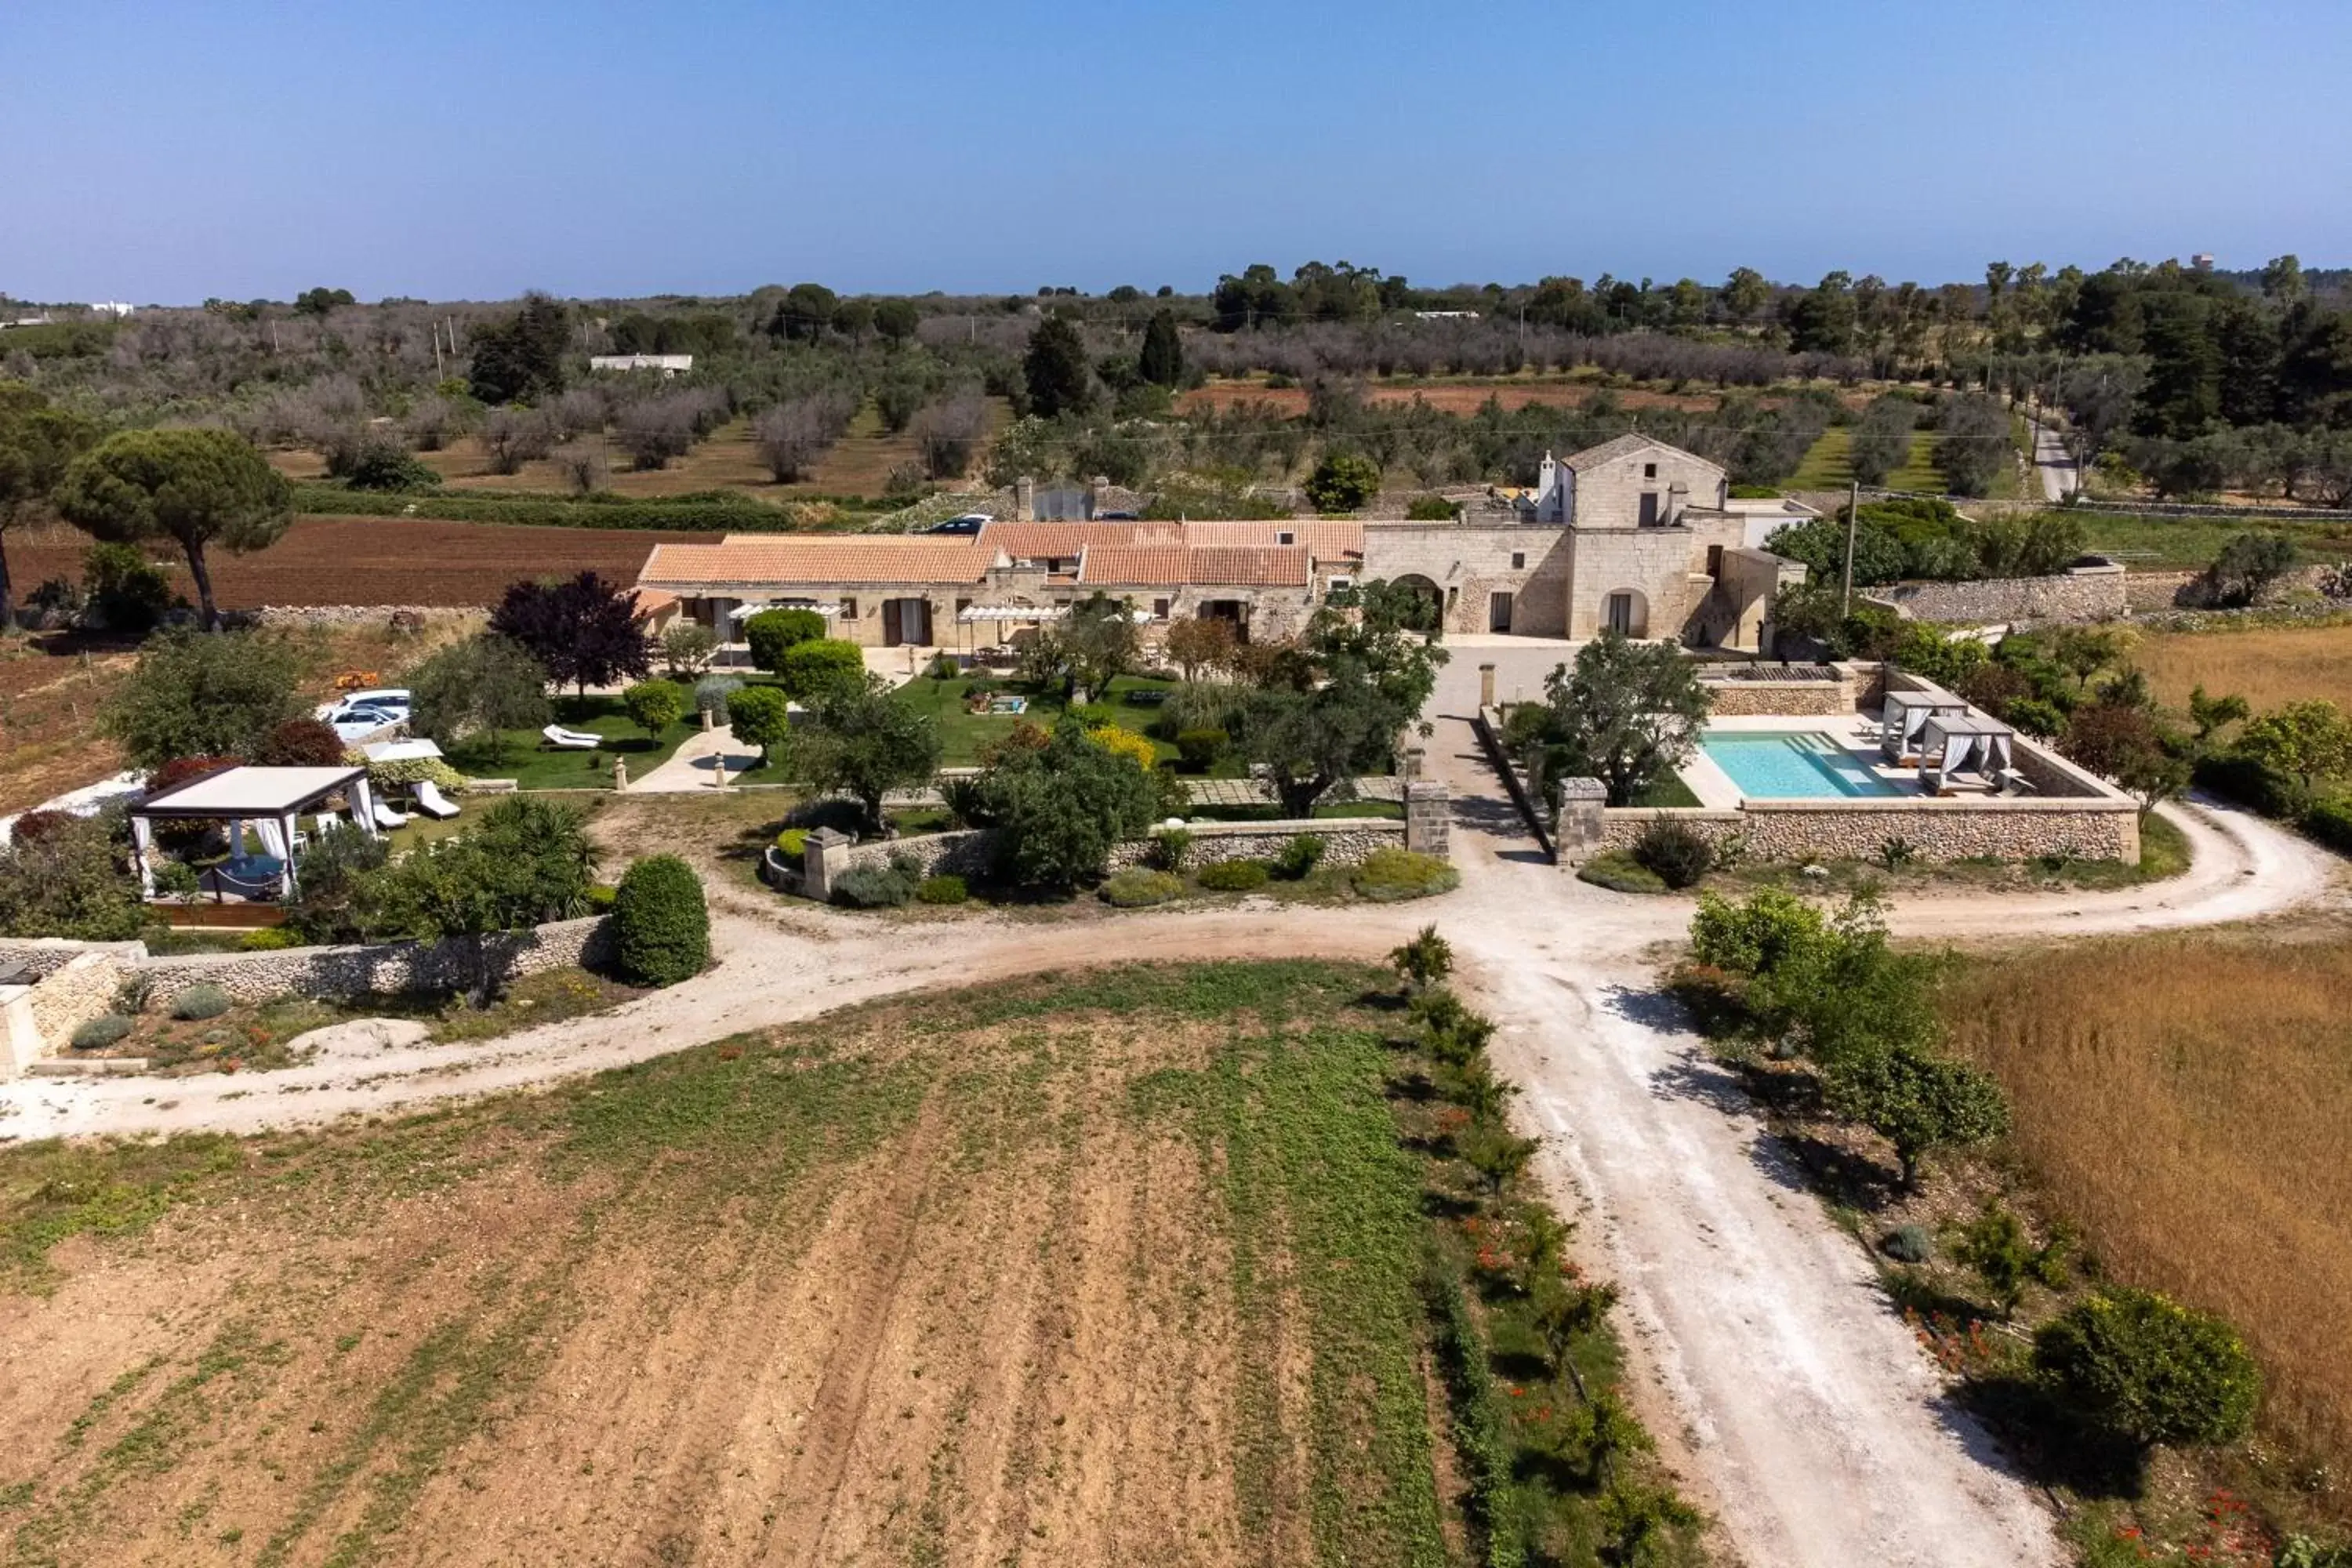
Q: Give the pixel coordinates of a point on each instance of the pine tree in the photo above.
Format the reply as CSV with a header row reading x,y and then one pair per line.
x,y
1056,368
1162,360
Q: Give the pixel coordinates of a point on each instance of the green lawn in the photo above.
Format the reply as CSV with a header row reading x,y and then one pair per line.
x,y
532,763
965,735
1667,792
2155,543
1829,465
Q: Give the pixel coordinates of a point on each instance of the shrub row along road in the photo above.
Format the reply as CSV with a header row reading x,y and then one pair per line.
x,y
1794,1404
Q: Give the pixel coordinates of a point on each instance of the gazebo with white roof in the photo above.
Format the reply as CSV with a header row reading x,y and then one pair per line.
x,y
269,800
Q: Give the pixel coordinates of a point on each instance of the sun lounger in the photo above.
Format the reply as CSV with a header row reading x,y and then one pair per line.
x,y
433,803
387,818
564,740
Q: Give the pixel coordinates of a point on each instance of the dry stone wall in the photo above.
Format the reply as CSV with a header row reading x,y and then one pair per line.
x,y
1741,699
1936,830
1346,841
380,969
2090,592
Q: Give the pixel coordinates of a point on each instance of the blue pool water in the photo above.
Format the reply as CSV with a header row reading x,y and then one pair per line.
x,y
1790,764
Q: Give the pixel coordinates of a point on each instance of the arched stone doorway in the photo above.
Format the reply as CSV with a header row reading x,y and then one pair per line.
x,y
1432,598
1626,612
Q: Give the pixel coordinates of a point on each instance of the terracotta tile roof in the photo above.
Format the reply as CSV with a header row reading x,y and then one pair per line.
x,y
653,601
1156,565
1173,565
1034,541
770,559
1328,539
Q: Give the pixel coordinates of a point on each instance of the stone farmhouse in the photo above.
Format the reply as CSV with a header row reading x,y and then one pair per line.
x,y
1633,534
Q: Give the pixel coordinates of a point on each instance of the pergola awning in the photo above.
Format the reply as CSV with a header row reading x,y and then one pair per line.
x,y
269,799
975,613
814,606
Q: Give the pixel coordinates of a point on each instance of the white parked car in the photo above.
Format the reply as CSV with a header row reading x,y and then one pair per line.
x,y
356,715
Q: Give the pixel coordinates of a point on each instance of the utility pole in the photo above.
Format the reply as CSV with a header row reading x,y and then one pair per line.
x,y
436,351
1852,516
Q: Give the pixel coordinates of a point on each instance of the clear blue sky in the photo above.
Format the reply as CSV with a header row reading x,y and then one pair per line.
x,y
174,149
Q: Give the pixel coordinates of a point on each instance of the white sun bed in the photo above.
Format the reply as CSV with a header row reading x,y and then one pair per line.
x,y
565,740
432,801
387,818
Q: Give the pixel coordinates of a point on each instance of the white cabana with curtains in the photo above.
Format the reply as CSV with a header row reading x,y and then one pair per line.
x,y
1966,743
1904,721
260,807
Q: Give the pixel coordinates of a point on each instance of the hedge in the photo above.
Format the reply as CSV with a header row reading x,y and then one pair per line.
x,y
661,927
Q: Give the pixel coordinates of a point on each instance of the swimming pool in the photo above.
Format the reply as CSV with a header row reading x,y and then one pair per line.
x,y
1790,764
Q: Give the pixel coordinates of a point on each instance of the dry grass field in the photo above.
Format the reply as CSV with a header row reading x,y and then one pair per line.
x,y
2266,666
2188,1101
1113,1268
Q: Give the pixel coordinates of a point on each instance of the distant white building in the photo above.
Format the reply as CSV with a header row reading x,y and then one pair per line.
x,y
668,364
111,307
1446,315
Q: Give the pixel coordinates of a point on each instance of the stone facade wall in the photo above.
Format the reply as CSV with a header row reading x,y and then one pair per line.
x,y
2094,593
1471,562
1936,830
1609,494
1737,613
377,970
1663,568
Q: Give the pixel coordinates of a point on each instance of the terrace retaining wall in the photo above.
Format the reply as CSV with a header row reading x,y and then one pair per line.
x,y
969,852
1936,830
381,969
78,981
2096,591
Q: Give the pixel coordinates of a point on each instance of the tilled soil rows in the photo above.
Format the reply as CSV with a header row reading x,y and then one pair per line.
x,y
377,561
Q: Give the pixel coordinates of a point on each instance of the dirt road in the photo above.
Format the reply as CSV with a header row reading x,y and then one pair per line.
x,y
1795,1403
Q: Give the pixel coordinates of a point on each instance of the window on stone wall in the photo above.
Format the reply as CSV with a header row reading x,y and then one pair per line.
x,y
1649,470
1518,560
848,609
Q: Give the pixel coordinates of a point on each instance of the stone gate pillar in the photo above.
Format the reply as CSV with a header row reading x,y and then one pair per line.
x,y
1577,835
1428,816
825,856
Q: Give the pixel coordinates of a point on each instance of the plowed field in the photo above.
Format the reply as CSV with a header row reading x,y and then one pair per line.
x,y
1112,1269
375,561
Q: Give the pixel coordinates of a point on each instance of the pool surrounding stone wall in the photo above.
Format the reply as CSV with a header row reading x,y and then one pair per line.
x,y
1936,830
